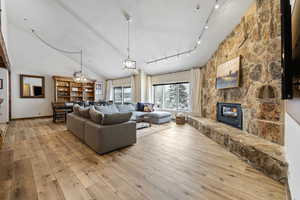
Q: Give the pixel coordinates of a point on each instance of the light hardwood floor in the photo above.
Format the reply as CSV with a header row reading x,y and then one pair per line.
x,y
42,160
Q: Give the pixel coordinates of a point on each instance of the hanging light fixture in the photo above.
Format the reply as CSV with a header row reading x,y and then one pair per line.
x,y
128,63
79,75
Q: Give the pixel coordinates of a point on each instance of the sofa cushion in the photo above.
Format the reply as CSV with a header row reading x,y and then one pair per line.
x,y
140,106
95,115
159,114
107,109
84,112
126,108
76,109
116,118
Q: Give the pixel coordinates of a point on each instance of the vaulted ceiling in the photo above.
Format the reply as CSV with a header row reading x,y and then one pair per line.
x,y
159,28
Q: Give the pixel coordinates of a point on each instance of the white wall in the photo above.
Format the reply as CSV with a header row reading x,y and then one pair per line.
x,y
26,107
29,56
292,141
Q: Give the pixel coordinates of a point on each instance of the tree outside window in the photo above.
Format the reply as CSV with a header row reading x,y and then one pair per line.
x,y
172,96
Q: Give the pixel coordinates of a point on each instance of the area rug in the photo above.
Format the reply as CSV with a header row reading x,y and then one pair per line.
x,y
142,125
152,130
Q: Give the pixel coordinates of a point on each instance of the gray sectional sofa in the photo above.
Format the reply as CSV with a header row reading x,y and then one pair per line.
x,y
111,127
157,117
102,138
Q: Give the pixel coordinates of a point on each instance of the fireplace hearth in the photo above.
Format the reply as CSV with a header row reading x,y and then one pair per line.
x,y
231,114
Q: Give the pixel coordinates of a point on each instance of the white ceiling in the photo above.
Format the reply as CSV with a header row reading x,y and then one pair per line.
x,y
159,28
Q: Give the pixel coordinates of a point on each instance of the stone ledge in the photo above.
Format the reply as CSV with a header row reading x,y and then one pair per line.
x,y
263,155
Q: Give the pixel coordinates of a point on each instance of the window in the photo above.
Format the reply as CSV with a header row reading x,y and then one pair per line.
x,y
118,95
127,95
122,94
172,96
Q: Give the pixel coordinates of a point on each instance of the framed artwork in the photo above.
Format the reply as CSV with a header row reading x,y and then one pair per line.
x,y
228,74
1,84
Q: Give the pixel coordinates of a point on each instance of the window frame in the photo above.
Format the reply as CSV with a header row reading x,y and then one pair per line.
x,y
122,94
126,87
177,99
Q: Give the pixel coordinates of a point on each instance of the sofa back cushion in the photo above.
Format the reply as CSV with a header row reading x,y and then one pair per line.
x,y
107,109
116,118
76,109
124,108
95,115
84,112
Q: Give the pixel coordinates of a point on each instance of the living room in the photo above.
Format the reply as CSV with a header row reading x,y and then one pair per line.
x,y
150,99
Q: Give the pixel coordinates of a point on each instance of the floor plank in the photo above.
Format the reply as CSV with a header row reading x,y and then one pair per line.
x,y
42,160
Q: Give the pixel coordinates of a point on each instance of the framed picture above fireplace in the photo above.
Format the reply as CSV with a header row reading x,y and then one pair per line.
x,y
228,74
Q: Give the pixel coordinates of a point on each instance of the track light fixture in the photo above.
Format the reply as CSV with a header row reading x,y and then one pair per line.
x,y
213,10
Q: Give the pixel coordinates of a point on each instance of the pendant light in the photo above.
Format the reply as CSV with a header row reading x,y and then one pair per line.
x,y
128,63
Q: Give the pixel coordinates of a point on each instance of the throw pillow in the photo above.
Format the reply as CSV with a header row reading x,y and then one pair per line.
x,y
76,109
147,109
140,106
95,115
84,112
116,118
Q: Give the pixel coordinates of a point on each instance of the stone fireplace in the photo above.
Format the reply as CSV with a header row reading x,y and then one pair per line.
x,y
231,114
257,39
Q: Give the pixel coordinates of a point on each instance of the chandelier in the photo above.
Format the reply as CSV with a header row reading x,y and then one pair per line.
x,y
128,63
79,75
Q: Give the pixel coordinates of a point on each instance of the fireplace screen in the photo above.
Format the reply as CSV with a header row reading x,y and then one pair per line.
x,y
231,114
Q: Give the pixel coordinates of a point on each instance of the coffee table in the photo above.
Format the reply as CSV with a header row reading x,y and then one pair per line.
x,y
145,119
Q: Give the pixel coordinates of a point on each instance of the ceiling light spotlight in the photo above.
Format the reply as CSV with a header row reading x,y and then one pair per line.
x,y
199,42
206,27
217,6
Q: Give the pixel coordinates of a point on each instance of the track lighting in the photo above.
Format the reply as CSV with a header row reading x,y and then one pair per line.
x,y
199,41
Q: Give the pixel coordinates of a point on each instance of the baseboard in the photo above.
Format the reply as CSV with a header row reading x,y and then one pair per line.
x,y
37,117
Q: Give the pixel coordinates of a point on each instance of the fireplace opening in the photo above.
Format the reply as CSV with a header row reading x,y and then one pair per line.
x,y
231,114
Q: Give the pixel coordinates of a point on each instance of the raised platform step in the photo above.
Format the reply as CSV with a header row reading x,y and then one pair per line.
x,y
263,155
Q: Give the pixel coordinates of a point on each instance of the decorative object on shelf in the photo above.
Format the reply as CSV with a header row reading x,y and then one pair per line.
x,y
128,63
1,84
32,86
189,51
180,119
228,74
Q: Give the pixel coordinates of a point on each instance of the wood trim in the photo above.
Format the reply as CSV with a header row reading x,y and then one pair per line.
x,y
66,78
9,93
22,76
37,117
3,54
